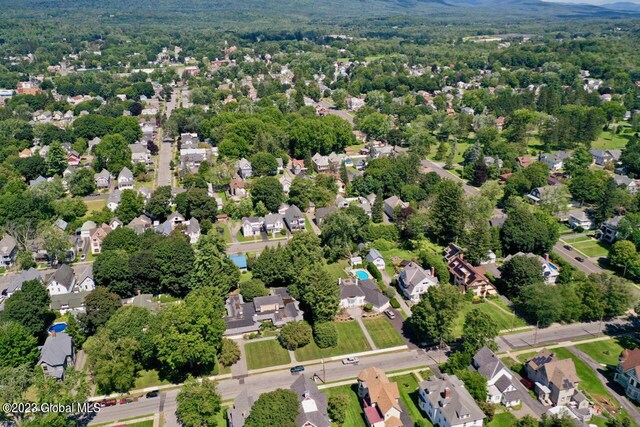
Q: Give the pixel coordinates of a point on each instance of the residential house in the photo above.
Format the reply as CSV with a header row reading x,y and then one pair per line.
x,y
16,281
321,214
115,223
391,204
97,236
609,229
313,403
73,158
358,293
602,157
525,161
192,230
414,281
56,355
579,218
140,224
39,180
555,161
626,183
125,179
192,158
236,188
237,415
320,163
294,219
469,278
378,151
61,281
252,226
244,168
92,143
556,381
102,179
61,224
69,303
550,271
286,182
502,385
298,167
25,153
114,200
140,154
374,257
628,373
279,308
537,194
447,403
380,398
273,224
8,251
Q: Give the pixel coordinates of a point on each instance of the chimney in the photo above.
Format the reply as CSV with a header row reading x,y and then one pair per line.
x,y
53,333
433,271
447,392
546,257
461,255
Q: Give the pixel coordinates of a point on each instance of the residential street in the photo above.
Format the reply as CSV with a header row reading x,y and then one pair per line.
x,y
344,114
587,266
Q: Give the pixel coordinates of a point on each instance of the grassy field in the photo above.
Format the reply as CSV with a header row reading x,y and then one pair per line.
x,y
148,423
589,381
336,270
149,379
382,332
502,319
245,276
606,352
263,354
351,339
505,419
354,417
592,248
609,141
577,239
461,147
95,205
408,386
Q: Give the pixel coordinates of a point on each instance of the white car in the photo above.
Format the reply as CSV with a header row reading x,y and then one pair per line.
x,y
390,314
350,361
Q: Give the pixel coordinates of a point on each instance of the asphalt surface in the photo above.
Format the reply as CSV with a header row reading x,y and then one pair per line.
x,y
587,266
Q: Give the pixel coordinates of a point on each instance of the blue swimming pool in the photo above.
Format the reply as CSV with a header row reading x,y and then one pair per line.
x,y
362,275
58,327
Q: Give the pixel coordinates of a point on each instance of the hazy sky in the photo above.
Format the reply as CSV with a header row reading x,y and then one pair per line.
x,y
594,1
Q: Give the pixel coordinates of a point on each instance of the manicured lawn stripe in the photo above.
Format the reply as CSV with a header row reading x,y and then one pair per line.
x,y
351,339
382,332
502,319
408,387
262,354
505,419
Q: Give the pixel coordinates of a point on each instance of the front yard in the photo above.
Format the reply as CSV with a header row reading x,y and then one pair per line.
x,y
605,352
503,320
382,332
587,245
354,416
351,339
408,387
263,354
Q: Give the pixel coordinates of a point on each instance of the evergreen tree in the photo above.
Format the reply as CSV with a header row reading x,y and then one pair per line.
x,y
377,210
56,159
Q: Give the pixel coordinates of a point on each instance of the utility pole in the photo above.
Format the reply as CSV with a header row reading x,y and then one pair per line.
x,y
324,372
600,327
535,339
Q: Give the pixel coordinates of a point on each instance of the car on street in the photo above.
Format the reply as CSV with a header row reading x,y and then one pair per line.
x,y
151,394
297,369
579,259
105,403
568,247
350,361
390,314
528,384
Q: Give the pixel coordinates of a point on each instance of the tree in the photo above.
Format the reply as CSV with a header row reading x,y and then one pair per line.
x,y
131,206
337,407
622,255
29,307
55,242
325,334
211,266
112,361
100,305
447,212
174,261
17,345
580,160
56,159
122,238
253,288
520,271
526,231
264,164
268,190
198,403
479,330
339,232
630,156
112,271
377,210
273,267
82,183
69,209
432,318
278,408
319,292
480,172
196,203
295,334
229,352
475,383
300,192
478,242
159,205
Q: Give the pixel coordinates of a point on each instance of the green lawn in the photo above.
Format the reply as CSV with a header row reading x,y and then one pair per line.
x,y
224,230
242,238
95,205
589,381
351,339
336,270
503,320
577,239
610,141
606,352
263,354
592,248
505,419
382,332
148,379
221,418
148,423
408,387
354,416
245,276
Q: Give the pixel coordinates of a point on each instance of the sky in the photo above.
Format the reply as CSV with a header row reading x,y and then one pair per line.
x,y
593,1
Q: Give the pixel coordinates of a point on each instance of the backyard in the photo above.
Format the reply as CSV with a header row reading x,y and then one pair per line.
x,y
503,320
354,416
505,419
263,354
382,332
408,387
351,339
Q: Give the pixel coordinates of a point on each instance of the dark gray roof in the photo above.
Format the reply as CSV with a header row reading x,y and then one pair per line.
x,y
372,294
348,290
313,404
373,255
55,351
63,275
459,407
71,301
241,408
258,302
15,283
7,245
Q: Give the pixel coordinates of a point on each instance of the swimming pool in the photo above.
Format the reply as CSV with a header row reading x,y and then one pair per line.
x,y
362,275
58,327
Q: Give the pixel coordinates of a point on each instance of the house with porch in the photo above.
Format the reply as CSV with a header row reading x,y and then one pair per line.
x,y
56,355
448,403
125,179
628,373
252,226
414,281
294,218
501,383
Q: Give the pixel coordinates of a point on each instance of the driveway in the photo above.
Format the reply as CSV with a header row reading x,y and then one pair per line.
x,y
164,164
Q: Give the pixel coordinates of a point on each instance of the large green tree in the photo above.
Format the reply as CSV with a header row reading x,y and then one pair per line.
x,y
278,408
432,318
198,403
100,305
29,307
17,345
447,212
212,268
268,190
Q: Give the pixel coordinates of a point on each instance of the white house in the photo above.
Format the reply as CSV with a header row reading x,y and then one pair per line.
x,y
125,179
447,403
374,257
273,223
252,226
501,385
579,218
414,281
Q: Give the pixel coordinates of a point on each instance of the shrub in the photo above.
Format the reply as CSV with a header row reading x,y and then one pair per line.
x,y
253,288
383,245
295,334
394,303
368,307
325,334
374,271
389,292
337,407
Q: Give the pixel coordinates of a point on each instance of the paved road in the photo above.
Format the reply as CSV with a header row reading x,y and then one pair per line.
x,y
254,247
164,164
588,266
340,113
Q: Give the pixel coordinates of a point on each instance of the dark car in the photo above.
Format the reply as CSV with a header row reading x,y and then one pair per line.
x,y
110,402
528,384
579,259
151,394
568,247
297,369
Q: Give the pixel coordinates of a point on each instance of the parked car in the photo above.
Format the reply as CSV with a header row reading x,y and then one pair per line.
x,y
568,247
110,402
528,384
151,394
350,361
579,259
390,314
297,369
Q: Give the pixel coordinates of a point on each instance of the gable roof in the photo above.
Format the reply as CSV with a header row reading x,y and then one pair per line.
x,y
382,392
373,255
630,359
56,349
125,173
63,275
7,245
451,398
313,404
